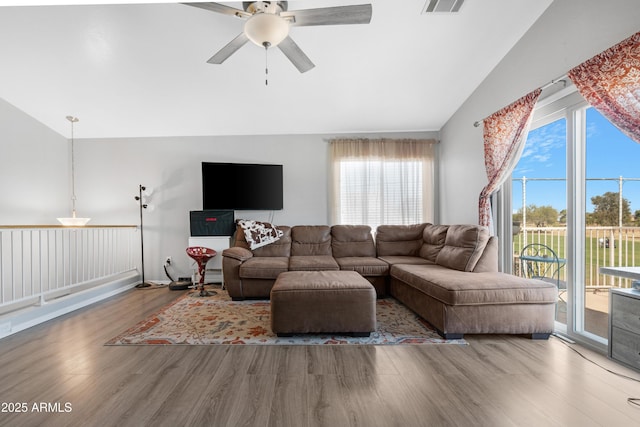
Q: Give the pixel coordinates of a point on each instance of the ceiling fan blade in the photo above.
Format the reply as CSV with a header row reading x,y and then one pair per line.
x,y
221,8
292,51
229,49
339,15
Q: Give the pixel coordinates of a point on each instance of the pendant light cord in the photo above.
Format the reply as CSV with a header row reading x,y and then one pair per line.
x,y
73,167
73,220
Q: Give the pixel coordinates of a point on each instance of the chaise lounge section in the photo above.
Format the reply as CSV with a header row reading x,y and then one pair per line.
x,y
447,274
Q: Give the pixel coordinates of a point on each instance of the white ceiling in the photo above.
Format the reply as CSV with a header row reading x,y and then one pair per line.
x,y
139,70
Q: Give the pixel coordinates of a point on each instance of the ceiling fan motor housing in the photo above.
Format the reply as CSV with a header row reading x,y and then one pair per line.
x,y
263,6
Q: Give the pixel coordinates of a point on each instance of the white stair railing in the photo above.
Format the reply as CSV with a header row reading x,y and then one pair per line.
x,y
40,263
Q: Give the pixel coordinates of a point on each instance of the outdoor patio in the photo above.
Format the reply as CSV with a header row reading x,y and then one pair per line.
x,y
604,247
596,313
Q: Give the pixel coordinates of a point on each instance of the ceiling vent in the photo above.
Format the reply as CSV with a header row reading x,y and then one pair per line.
x,y
442,6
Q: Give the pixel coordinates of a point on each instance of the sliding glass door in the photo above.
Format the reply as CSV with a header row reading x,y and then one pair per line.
x,y
612,238
539,203
576,190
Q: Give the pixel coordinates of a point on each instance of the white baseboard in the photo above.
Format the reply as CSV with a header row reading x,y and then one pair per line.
x,y
24,318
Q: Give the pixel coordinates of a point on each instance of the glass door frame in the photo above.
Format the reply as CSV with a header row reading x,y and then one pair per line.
x,y
568,104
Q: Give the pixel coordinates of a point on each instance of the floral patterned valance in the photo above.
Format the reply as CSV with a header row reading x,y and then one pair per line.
x,y
610,82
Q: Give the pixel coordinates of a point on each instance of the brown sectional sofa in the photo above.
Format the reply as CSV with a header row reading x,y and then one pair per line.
x,y
448,274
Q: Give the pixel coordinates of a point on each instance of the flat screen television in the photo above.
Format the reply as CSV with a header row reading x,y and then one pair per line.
x,y
241,186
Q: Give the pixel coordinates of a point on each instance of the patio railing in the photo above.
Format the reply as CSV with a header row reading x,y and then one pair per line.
x,y
604,246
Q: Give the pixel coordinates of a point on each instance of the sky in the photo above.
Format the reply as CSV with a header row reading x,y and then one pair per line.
x,y
610,154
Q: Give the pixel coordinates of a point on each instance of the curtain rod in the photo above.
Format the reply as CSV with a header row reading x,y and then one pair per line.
x,y
562,79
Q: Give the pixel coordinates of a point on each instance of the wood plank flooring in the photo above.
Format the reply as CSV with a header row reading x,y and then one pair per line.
x,y
495,381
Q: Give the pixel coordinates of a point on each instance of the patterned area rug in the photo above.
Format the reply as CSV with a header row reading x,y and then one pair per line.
x,y
192,320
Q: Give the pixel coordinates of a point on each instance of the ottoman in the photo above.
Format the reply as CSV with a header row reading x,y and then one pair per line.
x,y
322,301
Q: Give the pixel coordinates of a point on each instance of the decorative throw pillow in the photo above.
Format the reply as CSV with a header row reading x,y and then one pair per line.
x,y
258,234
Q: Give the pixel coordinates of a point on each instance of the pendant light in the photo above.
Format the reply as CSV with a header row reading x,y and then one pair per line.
x,y
73,221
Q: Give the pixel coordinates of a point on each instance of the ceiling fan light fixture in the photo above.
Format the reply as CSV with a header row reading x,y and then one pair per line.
x,y
266,29
267,24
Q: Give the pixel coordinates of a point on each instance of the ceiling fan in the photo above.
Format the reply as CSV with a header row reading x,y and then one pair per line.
x,y
268,22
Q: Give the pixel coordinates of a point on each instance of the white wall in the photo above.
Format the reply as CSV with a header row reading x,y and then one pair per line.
x,y
34,171
567,34
110,170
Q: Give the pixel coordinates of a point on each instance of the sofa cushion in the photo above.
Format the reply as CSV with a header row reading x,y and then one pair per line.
x,y
463,247
352,241
366,266
454,287
489,259
433,239
263,267
311,240
404,240
312,263
399,259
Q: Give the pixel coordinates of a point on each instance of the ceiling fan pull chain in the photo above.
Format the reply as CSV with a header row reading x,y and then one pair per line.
x,y
266,63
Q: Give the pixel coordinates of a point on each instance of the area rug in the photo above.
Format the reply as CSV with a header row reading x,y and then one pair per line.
x,y
193,320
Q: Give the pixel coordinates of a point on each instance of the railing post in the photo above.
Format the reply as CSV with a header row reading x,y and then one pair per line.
x,y
611,247
524,211
620,222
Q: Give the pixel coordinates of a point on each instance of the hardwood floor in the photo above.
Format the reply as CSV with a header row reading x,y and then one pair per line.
x,y
494,381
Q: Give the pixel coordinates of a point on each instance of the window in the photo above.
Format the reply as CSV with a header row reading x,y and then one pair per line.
x,y
382,181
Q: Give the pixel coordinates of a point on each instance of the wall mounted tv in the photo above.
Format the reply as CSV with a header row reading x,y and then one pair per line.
x,y
241,186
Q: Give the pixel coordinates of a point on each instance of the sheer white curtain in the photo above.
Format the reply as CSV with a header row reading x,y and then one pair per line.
x,y
382,181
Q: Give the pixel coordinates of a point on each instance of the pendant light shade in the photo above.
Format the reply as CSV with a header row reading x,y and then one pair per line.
x,y
73,221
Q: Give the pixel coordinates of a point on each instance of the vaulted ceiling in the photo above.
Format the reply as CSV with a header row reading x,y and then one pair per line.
x,y
140,70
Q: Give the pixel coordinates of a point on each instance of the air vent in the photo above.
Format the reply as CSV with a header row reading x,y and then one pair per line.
x,y
442,6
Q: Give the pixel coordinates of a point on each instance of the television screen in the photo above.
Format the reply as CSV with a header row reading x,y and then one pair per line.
x,y
241,186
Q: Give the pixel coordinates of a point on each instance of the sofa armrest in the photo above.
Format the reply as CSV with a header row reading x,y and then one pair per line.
x,y
241,254
232,260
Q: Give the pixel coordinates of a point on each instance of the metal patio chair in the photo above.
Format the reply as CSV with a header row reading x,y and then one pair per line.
x,y
539,261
